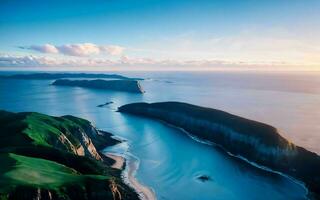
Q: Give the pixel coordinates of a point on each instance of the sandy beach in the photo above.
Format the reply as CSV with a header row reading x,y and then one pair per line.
x,y
119,161
144,192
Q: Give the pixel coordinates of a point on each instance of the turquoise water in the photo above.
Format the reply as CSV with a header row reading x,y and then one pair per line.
x,y
170,161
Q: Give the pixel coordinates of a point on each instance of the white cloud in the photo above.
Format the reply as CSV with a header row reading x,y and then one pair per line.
x,y
8,60
134,63
46,48
84,49
81,49
249,45
113,49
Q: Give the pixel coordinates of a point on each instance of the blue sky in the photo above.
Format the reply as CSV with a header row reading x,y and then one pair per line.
x,y
158,34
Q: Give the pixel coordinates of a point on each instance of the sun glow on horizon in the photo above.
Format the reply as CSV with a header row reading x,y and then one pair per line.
x,y
160,35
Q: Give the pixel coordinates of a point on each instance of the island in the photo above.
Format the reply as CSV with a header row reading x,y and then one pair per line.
x,y
131,86
67,75
258,143
105,104
45,157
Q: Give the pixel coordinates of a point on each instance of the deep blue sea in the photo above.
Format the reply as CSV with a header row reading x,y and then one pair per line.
x,y
169,160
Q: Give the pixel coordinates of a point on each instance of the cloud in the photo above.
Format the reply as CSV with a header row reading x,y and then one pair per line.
x,y
80,50
8,60
134,63
47,48
112,50
84,49
251,44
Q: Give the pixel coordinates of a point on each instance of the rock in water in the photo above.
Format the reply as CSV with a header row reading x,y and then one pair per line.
x,y
105,104
204,178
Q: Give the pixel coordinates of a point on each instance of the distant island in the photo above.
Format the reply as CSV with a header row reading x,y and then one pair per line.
x,y
105,104
254,141
67,75
45,157
132,86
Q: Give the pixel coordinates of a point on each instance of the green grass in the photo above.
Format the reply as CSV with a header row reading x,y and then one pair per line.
x,y
39,173
38,129
33,157
45,130
29,156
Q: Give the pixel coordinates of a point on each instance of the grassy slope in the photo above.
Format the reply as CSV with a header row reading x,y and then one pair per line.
x,y
45,130
28,171
30,158
25,129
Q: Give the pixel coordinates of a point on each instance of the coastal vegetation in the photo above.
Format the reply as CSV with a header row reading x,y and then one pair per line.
x,y
45,157
131,86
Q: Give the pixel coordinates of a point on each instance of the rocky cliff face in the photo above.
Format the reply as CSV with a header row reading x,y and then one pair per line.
x,y
45,157
86,147
255,141
75,136
132,86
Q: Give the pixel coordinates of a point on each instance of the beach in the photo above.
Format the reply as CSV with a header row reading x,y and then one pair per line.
x,y
131,166
119,161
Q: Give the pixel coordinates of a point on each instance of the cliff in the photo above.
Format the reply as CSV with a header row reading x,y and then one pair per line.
x,y
132,86
45,157
252,140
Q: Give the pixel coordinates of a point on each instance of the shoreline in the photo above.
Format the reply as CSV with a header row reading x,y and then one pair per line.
x,y
261,167
131,166
119,161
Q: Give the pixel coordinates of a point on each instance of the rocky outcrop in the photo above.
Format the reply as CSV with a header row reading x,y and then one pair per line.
x,y
257,142
105,104
131,86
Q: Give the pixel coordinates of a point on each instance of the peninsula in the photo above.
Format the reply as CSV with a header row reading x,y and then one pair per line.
x,y
254,141
131,86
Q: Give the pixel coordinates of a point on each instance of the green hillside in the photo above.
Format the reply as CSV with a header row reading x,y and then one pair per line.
x,y
40,157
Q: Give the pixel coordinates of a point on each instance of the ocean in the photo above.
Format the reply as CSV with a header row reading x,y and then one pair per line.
x,y
169,160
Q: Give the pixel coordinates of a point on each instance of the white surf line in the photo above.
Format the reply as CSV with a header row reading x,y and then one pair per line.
x,y
129,173
129,177
206,142
119,160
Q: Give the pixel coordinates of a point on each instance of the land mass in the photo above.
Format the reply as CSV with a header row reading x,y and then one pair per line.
x,y
67,75
105,104
45,157
254,141
131,86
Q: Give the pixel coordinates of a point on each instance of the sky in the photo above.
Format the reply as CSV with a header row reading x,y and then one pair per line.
x,y
160,34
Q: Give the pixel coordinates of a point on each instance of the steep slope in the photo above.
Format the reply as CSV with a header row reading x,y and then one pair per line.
x,y
255,141
44,157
